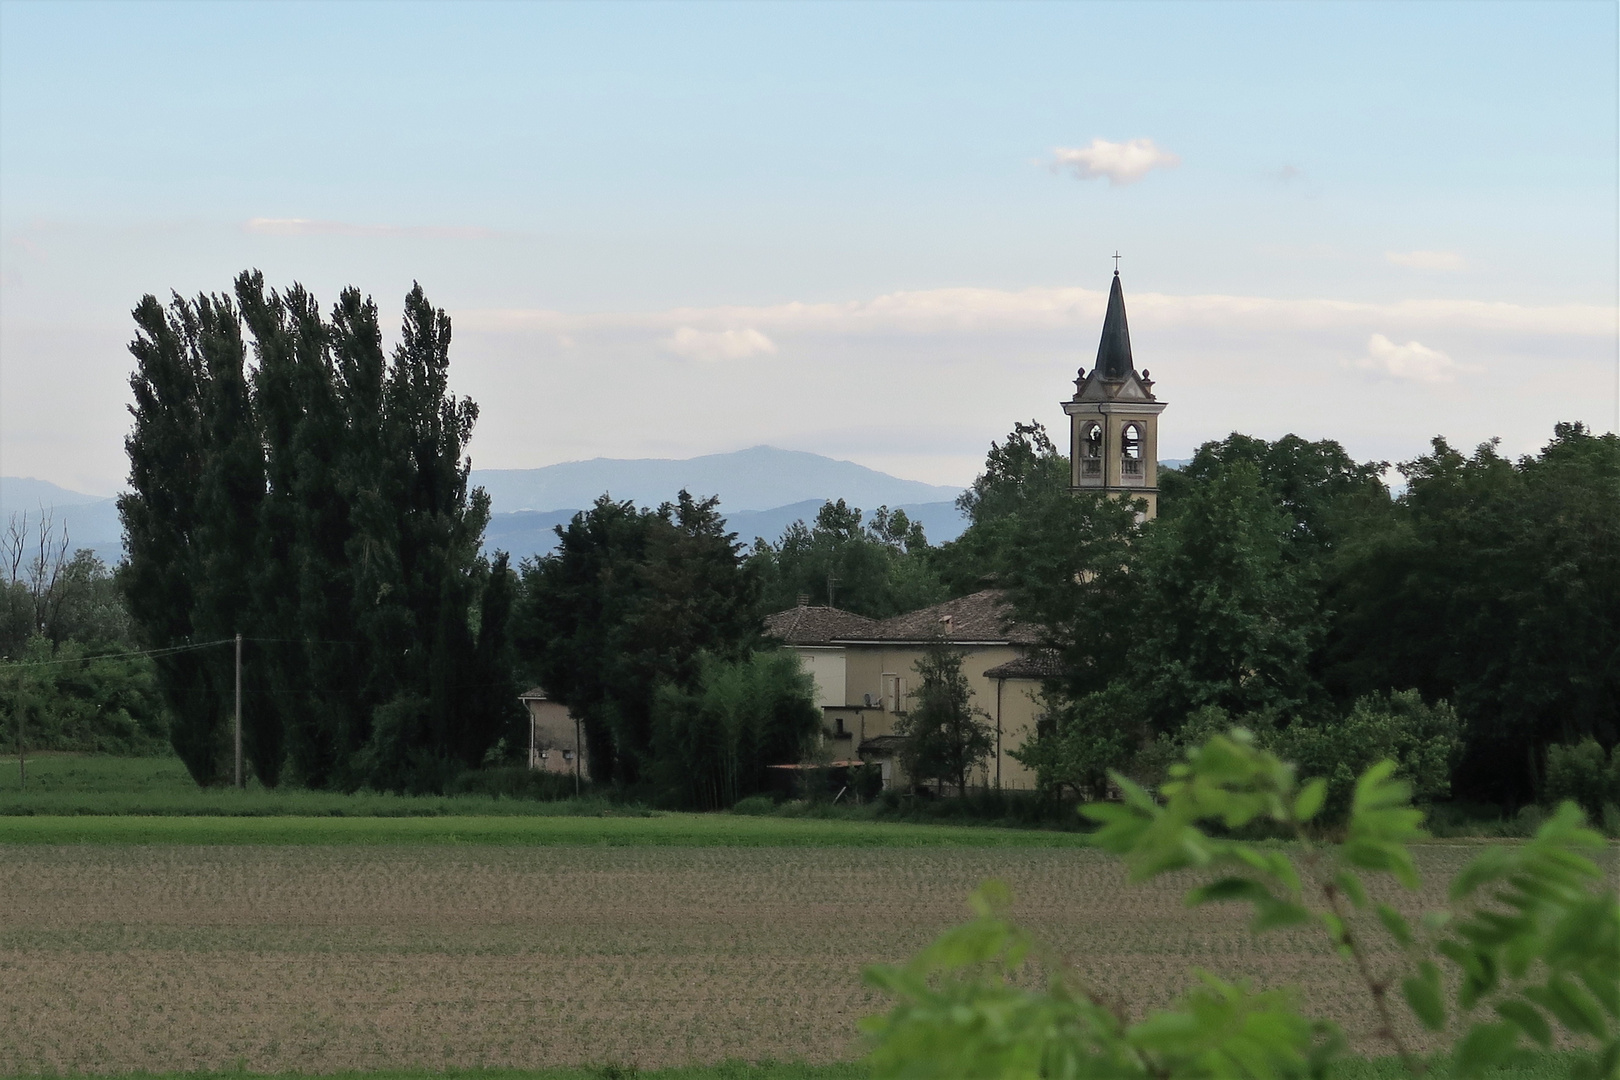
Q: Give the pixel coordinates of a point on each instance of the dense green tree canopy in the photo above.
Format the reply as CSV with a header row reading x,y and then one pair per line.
x,y
1494,584
879,568
1283,583
633,600
1025,481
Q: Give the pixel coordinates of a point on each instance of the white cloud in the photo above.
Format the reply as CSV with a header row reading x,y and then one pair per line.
x,y
1427,260
1121,163
960,310
311,227
716,345
1413,362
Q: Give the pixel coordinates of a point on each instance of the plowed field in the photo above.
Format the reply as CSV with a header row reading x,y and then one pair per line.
x,y
119,958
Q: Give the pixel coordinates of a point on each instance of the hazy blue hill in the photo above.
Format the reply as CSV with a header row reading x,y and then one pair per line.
x,y
24,492
91,520
760,478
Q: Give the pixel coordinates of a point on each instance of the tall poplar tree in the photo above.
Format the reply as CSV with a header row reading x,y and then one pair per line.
x,y
321,505
196,478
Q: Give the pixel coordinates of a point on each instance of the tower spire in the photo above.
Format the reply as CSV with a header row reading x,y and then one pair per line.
x,y
1114,351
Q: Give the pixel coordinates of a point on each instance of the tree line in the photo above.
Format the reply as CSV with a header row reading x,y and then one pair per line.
x,y
294,481
1467,623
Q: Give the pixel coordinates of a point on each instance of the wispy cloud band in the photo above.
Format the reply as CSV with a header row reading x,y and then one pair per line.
x,y
312,227
959,310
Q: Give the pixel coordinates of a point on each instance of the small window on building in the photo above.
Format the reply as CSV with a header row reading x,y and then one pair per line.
x,y
894,693
838,726
568,755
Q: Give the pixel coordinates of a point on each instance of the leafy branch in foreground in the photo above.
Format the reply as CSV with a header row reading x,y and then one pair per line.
x,y
1527,953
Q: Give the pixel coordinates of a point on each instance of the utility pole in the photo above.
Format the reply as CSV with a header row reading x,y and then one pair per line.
x,y
22,761
239,711
577,749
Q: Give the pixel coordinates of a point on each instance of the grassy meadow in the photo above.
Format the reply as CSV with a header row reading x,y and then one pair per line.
x,y
94,784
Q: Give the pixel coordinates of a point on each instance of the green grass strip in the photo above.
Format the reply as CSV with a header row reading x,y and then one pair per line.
x,y
658,830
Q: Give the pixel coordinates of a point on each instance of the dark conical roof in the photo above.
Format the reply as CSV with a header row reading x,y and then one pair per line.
x,y
1114,352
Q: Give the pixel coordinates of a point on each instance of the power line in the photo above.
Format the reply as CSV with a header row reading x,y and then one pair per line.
x,y
8,664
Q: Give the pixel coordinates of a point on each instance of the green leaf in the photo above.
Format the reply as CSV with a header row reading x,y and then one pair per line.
x,y
1527,1019
1484,1047
1580,1011
1310,800
1229,888
991,897
1423,994
1350,885
1276,913
1395,923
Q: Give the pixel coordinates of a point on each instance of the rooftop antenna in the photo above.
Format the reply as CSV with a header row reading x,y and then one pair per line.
x,y
1116,262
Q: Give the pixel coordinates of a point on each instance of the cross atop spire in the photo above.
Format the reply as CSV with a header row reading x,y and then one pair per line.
x,y
1116,262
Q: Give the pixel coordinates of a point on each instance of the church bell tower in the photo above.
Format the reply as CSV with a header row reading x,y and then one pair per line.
x,y
1114,419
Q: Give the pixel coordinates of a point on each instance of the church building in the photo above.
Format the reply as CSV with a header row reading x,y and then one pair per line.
x,y
862,666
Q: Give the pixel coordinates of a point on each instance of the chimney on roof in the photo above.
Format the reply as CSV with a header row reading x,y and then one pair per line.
x,y
804,599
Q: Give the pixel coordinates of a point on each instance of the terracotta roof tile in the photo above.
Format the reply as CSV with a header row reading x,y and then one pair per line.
x,y
1037,665
805,625
983,616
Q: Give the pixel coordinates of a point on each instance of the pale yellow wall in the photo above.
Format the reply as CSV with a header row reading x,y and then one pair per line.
x,y
1020,711
865,667
553,732
825,664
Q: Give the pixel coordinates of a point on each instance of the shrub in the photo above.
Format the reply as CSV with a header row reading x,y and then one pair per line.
x,y
71,699
755,806
713,746
516,782
1422,740
1582,774
1530,945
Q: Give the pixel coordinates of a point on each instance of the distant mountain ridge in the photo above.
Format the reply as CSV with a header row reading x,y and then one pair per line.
x,y
762,491
759,478
91,521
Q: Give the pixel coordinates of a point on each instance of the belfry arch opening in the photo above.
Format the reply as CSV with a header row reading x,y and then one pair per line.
x,y
1091,450
1130,450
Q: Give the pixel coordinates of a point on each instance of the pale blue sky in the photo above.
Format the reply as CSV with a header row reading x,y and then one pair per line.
x,y
619,202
